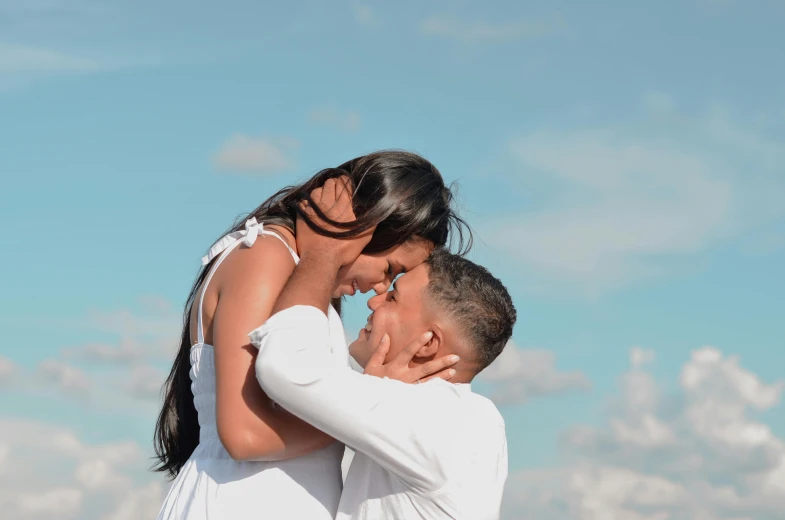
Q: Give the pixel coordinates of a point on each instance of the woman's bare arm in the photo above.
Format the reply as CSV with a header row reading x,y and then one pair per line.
x,y
242,294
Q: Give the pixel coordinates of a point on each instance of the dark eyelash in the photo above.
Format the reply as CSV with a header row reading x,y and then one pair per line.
x,y
389,269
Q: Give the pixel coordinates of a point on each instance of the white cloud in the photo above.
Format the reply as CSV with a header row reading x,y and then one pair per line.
x,y
519,374
147,338
140,503
68,378
49,472
126,352
619,206
697,455
155,320
363,14
243,153
487,32
146,382
625,204
640,356
7,370
150,330
20,59
346,121
64,502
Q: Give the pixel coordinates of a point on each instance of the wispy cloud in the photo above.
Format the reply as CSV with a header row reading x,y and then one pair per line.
x,y
489,32
363,14
70,379
150,329
694,455
56,474
145,382
146,337
8,370
521,374
621,205
125,353
348,121
247,154
20,59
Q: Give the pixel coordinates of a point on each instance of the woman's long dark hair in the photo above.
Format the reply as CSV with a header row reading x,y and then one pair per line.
x,y
400,193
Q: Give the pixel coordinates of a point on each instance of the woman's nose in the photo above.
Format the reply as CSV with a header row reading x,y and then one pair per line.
x,y
381,287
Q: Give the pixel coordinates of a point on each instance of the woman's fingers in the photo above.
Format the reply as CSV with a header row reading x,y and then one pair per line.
x,y
329,191
437,365
377,358
407,354
445,374
334,198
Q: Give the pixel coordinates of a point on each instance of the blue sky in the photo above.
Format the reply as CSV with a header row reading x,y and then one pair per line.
x,y
622,165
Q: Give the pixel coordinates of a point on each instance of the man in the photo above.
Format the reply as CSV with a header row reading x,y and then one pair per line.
x,y
430,450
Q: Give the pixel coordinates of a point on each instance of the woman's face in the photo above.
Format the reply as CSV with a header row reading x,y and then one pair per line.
x,y
377,271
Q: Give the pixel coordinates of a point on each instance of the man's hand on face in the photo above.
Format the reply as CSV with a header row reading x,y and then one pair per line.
x,y
398,368
334,200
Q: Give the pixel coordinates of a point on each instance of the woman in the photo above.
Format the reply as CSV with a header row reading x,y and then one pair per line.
x,y
235,455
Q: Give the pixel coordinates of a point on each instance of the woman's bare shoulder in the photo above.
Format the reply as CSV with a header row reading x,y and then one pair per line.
x,y
266,260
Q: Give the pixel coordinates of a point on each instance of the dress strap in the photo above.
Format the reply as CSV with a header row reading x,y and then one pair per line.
x,y
279,237
221,250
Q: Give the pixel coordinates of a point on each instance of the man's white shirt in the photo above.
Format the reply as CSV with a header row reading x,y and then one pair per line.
x,y
434,450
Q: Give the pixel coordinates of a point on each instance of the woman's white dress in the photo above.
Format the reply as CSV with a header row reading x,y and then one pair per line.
x,y
212,485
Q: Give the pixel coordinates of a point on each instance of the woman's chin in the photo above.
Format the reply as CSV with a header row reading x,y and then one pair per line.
x,y
344,290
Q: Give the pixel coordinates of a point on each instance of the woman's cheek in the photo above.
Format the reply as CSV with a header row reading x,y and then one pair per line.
x,y
343,274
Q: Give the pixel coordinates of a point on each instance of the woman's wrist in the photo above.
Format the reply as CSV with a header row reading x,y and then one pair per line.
x,y
323,262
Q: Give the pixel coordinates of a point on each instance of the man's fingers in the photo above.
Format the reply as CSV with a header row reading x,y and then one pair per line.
x,y
446,374
406,355
437,365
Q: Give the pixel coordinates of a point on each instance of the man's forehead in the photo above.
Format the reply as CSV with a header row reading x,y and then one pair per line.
x,y
414,280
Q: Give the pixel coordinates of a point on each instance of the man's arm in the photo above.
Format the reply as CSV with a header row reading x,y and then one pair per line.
x,y
378,417
385,419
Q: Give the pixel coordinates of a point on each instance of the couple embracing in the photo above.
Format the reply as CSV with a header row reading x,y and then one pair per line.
x,y
261,400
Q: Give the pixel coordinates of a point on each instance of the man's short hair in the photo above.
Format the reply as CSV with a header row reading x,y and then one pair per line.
x,y
475,300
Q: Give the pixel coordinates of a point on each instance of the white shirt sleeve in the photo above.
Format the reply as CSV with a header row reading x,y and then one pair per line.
x,y
382,418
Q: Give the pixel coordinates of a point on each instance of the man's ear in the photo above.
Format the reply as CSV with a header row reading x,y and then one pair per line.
x,y
432,348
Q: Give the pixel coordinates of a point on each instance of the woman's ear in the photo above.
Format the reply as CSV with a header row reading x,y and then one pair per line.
x,y
432,348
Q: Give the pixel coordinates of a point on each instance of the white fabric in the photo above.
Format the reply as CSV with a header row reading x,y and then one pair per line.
x,y
213,486
430,451
248,236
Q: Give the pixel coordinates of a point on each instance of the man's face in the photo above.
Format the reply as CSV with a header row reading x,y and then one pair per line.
x,y
398,313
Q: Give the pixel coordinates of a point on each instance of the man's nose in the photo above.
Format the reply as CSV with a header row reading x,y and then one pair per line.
x,y
381,287
375,301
